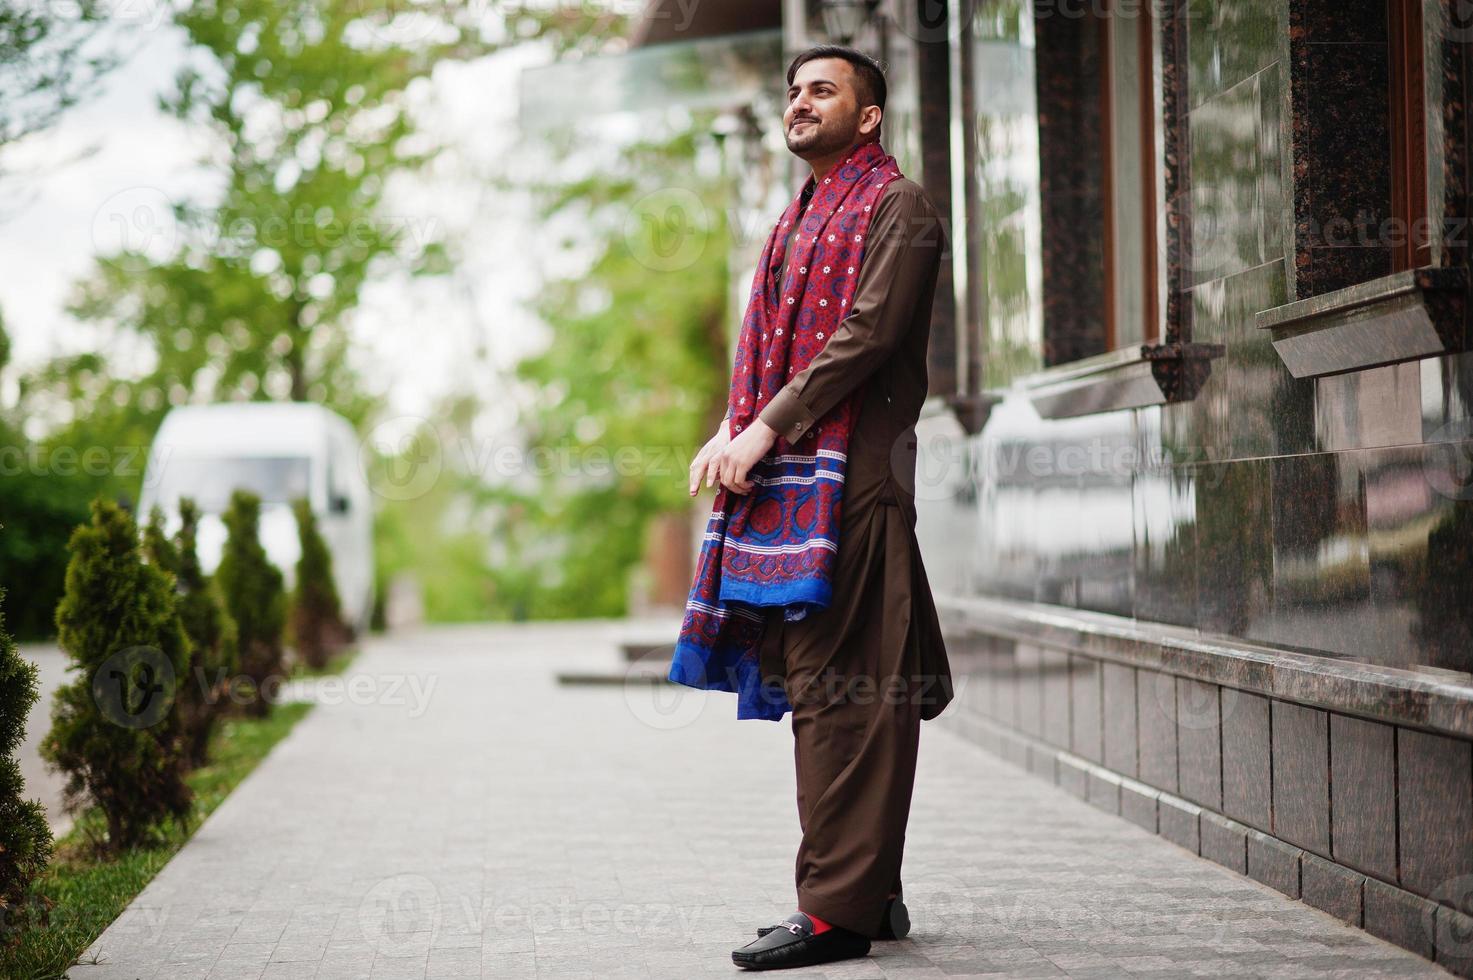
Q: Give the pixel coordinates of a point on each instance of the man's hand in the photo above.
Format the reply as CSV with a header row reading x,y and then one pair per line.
x,y
734,462
704,464
730,460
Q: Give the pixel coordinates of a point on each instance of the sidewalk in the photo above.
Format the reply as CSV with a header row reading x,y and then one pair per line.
x,y
40,782
456,813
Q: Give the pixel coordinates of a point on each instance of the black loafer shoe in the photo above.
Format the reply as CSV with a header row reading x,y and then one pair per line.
x,y
894,925
794,943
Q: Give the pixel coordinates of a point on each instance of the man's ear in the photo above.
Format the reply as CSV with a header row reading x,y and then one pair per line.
x,y
869,119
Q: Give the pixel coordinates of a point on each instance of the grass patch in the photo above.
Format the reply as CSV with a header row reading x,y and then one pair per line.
x,y
88,893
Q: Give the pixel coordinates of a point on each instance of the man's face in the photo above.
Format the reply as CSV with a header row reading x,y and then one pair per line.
x,y
823,114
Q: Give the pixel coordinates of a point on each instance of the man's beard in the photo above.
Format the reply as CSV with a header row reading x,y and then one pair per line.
x,y
820,139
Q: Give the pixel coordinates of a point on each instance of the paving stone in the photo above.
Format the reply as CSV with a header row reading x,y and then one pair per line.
x,y
472,818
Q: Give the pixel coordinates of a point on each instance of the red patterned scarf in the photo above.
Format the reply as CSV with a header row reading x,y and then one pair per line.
x,y
776,546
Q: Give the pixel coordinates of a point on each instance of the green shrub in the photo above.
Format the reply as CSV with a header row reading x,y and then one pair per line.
x,y
211,631
113,730
252,588
317,618
41,508
25,840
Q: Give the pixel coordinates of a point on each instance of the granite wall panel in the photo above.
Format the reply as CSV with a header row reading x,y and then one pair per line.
x,y
1086,734
1435,809
1029,660
1321,564
1246,767
1301,775
1381,406
1165,528
1363,796
1234,547
1054,674
1199,742
1120,731
1156,711
1339,70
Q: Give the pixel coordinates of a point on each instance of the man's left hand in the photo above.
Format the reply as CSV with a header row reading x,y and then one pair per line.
x,y
743,452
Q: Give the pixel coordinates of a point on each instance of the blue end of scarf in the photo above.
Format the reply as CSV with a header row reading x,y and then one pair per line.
x,y
710,671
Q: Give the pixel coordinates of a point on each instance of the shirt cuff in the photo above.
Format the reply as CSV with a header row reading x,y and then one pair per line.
x,y
788,415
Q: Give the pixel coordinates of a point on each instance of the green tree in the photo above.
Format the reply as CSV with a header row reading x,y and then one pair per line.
x,y
211,631
114,731
48,60
309,105
25,840
633,379
250,296
41,511
317,623
254,597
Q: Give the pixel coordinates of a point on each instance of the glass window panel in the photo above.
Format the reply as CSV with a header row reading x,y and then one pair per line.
x,y
901,128
211,480
1005,245
1127,180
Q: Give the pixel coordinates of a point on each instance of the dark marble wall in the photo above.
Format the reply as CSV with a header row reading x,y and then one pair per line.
x,y
1339,78
1331,516
1369,803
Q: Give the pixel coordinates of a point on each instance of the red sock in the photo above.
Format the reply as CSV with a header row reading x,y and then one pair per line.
x,y
818,924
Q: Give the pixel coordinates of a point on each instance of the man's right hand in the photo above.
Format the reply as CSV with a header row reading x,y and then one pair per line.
x,y
705,464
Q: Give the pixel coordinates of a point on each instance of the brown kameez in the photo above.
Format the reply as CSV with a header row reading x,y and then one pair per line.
x,y
863,673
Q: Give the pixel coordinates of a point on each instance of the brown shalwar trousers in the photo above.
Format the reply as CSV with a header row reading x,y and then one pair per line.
x,y
852,673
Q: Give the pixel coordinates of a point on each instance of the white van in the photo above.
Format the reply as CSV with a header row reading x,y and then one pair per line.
x,y
278,451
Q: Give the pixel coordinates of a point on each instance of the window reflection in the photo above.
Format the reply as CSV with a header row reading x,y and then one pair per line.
x,y
1004,214
211,480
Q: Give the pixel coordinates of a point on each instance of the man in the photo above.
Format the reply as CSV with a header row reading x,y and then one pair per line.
x,y
811,595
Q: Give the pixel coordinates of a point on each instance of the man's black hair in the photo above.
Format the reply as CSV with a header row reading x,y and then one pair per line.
x,y
868,74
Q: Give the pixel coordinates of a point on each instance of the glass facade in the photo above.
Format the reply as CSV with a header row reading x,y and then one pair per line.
x,y
996,148
1130,176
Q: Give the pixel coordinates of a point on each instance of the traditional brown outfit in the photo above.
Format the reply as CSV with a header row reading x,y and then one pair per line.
x,y
863,673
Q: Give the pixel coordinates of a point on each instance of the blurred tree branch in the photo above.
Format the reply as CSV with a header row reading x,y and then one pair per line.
x,y
47,61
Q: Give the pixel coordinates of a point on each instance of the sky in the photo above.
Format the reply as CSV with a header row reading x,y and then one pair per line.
x,y
105,173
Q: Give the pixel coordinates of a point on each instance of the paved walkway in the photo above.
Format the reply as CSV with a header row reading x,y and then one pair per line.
x,y
456,813
40,782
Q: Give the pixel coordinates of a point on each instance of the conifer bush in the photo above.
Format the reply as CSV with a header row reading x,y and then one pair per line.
x,y
203,696
317,619
254,597
25,840
114,730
